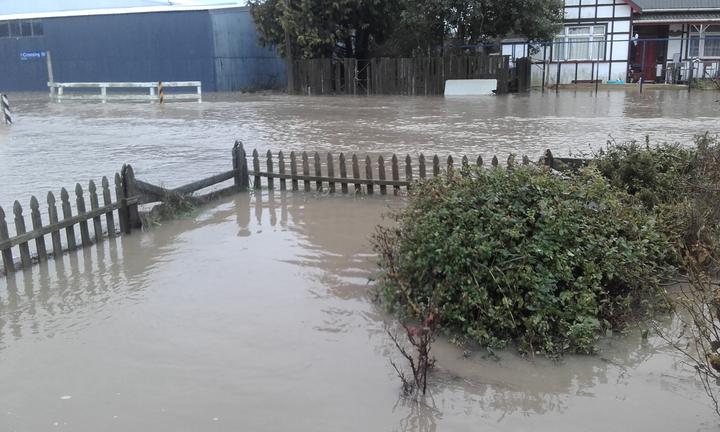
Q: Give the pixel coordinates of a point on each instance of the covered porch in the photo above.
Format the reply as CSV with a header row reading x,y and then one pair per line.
x,y
675,47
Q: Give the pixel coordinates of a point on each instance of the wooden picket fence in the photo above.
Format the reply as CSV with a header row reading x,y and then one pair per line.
x,y
125,204
297,171
366,176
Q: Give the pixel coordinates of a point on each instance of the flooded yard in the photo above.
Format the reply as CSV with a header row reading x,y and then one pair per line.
x,y
255,314
53,145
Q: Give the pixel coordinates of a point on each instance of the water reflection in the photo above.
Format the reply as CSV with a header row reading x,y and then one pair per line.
x,y
169,144
264,296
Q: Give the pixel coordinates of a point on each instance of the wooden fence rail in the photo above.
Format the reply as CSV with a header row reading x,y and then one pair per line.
x,y
299,171
305,171
125,204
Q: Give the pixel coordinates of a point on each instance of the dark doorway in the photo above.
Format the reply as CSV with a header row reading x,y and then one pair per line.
x,y
648,53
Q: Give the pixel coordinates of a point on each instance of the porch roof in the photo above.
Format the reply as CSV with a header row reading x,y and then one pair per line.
x,y
678,17
676,5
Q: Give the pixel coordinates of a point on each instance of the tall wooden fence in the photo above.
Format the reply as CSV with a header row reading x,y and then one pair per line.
x,y
396,76
284,171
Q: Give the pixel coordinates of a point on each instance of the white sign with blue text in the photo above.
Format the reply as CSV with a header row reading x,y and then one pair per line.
x,y
27,55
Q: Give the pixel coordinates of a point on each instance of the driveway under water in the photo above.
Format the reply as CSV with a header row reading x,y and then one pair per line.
x,y
255,314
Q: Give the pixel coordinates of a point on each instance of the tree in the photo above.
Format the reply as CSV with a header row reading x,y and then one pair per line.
x,y
364,28
427,26
317,28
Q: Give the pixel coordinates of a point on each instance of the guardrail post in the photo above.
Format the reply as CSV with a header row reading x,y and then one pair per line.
x,y
240,165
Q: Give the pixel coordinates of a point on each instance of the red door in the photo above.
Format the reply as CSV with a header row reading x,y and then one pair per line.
x,y
647,59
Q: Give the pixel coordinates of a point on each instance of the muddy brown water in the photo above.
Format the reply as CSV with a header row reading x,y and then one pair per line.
x,y
255,314
53,145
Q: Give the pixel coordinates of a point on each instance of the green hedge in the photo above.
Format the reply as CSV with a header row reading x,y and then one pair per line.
x,y
548,261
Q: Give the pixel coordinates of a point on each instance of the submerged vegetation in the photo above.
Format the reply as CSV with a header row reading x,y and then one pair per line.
x,y
551,260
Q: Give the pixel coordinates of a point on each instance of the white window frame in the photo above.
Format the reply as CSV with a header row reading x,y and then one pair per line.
x,y
699,32
596,42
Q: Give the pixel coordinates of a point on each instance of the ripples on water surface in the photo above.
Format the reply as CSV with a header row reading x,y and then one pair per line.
x,y
254,314
54,145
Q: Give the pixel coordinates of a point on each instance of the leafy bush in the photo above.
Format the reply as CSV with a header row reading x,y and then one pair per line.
x,y
548,261
679,185
655,175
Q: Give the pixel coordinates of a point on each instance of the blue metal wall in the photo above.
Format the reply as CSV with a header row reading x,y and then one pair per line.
x,y
167,46
240,62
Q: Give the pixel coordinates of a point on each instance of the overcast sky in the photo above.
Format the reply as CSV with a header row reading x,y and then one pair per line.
x,y
10,7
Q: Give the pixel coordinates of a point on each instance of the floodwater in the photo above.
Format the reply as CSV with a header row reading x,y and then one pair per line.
x,y
255,314
53,145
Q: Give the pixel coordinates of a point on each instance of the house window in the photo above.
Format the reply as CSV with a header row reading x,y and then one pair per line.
x,y
705,41
580,43
21,28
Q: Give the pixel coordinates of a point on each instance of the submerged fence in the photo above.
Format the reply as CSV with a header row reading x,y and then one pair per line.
x,y
125,204
294,171
396,76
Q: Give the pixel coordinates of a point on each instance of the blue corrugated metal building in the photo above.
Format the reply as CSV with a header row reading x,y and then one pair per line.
x,y
133,40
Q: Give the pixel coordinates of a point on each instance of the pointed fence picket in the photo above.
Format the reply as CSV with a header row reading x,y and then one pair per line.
x,y
364,173
130,192
125,205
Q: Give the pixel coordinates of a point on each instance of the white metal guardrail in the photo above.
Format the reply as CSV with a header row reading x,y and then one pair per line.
x,y
155,91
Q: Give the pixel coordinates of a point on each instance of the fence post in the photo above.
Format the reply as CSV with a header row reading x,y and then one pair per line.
x,y
20,229
84,230
53,218
7,257
368,174
281,170
122,204
94,205
256,168
318,171
381,174
67,214
239,158
548,159
395,173
356,173
131,191
269,163
343,173
306,171
293,170
107,200
37,225
691,72
331,172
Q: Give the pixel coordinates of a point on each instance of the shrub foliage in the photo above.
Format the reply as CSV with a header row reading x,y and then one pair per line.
x,y
679,185
548,261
